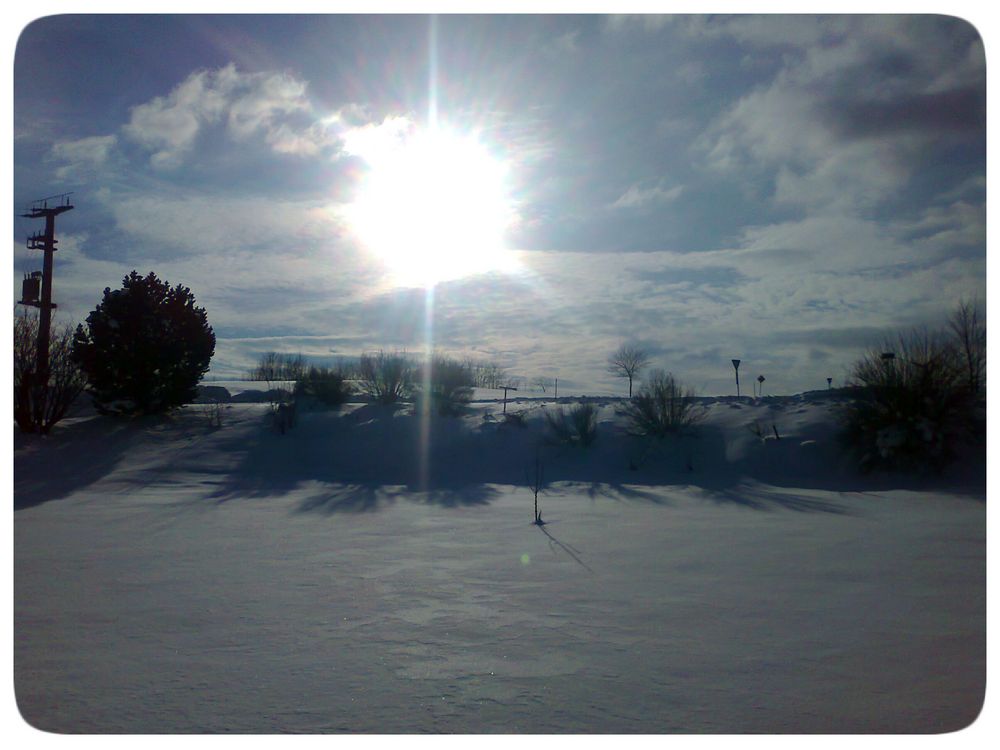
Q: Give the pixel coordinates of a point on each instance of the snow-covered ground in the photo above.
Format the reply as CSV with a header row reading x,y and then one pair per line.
x,y
372,571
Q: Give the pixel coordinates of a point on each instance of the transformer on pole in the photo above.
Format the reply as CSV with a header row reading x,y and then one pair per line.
x,y
37,287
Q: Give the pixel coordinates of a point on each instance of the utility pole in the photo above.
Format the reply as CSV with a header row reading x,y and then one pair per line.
x,y
46,242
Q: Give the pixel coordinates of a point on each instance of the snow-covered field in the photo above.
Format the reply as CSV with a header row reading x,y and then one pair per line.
x,y
370,571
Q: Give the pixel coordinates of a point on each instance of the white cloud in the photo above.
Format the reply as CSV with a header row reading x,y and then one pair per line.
x,y
270,104
83,155
373,139
169,125
638,197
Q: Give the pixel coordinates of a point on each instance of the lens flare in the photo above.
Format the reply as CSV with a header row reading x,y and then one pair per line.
x,y
433,206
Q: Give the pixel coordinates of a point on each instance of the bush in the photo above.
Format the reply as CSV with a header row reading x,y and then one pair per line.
x,y
39,406
387,378
579,427
327,386
145,347
449,384
662,407
910,412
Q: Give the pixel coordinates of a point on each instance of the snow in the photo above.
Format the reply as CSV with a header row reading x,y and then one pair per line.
x,y
175,577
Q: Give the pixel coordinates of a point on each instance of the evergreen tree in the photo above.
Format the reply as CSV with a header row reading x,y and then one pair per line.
x,y
145,347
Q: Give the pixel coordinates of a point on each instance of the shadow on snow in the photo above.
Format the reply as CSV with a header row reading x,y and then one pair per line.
x,y
361,460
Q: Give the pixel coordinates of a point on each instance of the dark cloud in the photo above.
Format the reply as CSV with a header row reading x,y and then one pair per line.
x,y
961,111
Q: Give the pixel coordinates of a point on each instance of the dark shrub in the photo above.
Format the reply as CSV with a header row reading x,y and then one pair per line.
x,y
449,384
662,407
325,385
145,347
910,411
387,378
579,427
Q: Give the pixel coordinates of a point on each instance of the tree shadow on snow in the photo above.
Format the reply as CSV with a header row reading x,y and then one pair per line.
x,y
366,498
363,459
54,466
776,473
366,459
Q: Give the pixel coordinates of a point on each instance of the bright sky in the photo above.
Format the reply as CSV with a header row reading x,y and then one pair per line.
x,y
779,189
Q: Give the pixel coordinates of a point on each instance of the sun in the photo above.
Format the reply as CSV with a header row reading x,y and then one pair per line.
x,y
433,205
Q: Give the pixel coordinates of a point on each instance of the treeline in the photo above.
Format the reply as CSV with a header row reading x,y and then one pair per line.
x,y
279,366
384,377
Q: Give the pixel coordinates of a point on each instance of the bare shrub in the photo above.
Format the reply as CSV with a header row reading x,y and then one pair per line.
x,y
662,407
578,427
387,378
214,410
38,405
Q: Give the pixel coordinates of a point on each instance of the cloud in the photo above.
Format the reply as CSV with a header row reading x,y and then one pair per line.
x,y
650,22
768,30
373,139
855,107
82,156
269,104
566,44
640,197
169,125
205,223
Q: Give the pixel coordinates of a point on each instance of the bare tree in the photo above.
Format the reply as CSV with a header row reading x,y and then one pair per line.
x,y
542,383
626,362
274,366
968,324
38,407
490,374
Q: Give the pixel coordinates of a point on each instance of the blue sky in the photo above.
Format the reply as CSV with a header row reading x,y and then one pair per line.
x,y
779,189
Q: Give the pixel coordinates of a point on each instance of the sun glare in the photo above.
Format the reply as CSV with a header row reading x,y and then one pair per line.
x,y
432,206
